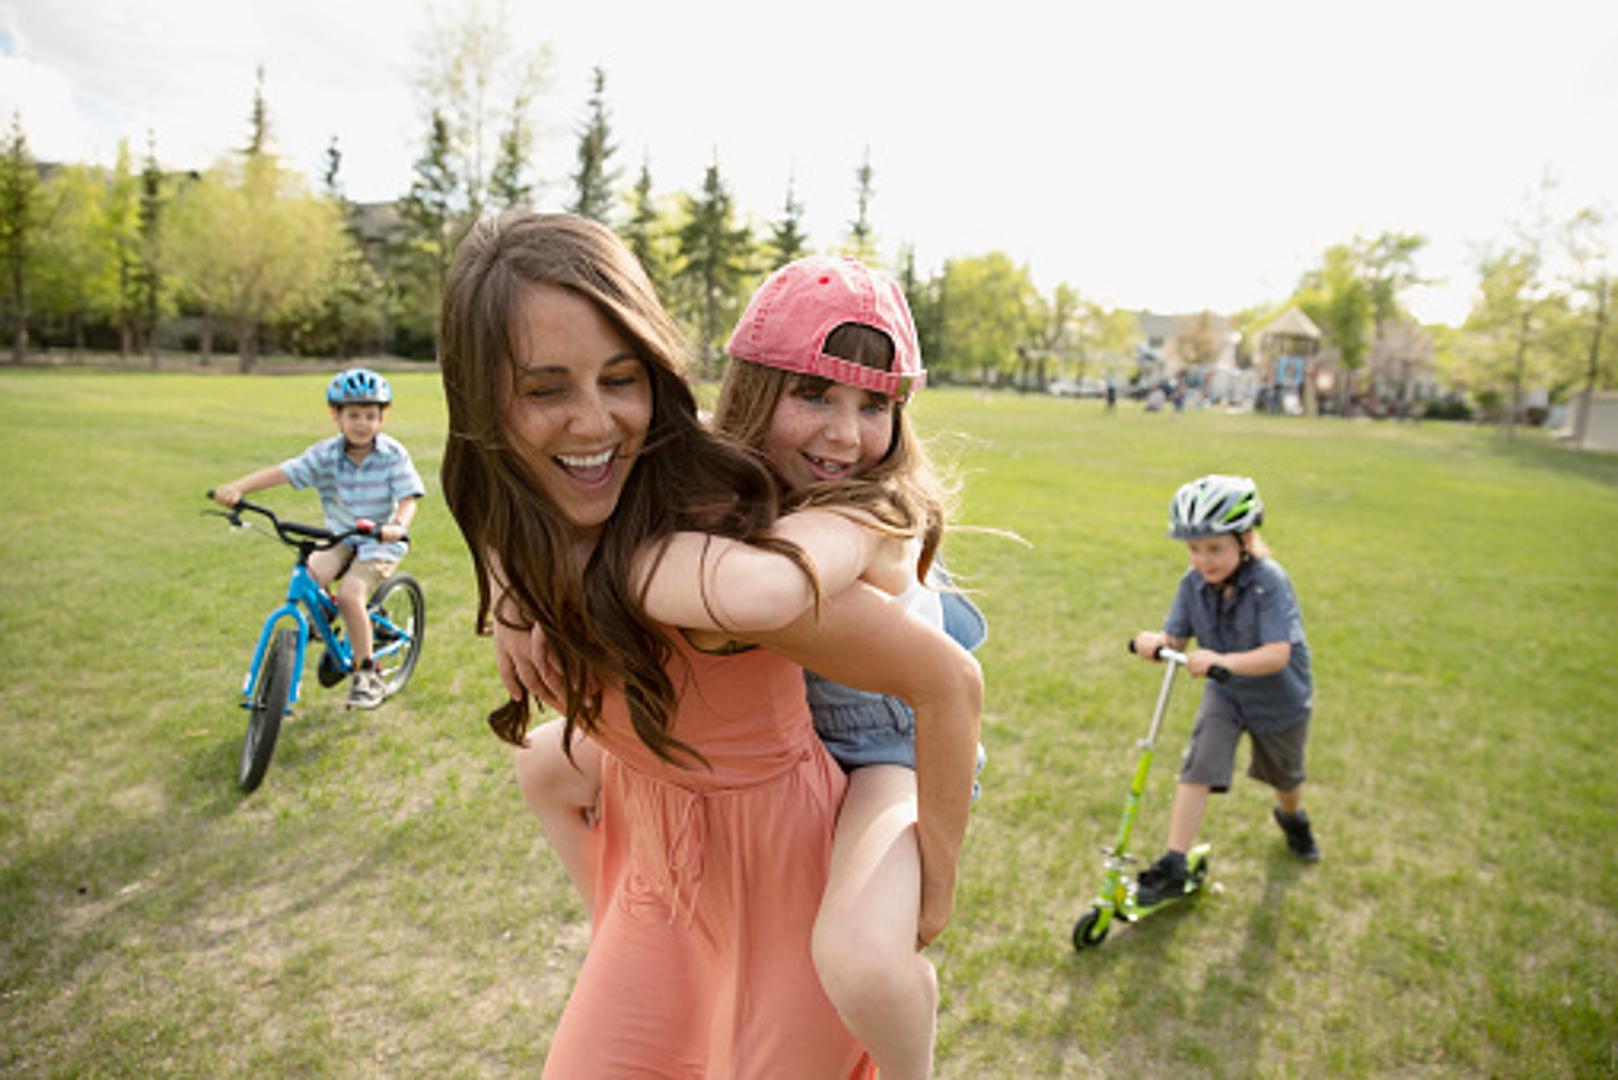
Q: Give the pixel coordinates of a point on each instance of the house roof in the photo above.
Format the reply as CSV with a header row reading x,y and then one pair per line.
x,y
1291,323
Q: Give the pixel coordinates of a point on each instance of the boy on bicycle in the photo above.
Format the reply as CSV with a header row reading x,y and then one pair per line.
x,y
360,473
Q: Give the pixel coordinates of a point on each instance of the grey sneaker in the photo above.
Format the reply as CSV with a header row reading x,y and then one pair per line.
x,y
366,691
1300,837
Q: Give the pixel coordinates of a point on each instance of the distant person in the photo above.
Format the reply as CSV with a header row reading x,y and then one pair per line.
x,y
360,473
1112,396
1238,603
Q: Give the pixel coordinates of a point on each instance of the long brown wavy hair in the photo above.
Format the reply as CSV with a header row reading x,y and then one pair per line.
x,y
684,478
903,490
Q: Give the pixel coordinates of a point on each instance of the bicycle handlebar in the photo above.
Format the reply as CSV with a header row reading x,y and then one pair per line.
x,y
1218,673
292,533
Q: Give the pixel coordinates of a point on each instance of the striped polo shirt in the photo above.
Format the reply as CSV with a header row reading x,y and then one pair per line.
x,y
348,491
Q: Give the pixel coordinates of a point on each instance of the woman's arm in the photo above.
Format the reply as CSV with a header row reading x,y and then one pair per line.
x,y
704,582
866,639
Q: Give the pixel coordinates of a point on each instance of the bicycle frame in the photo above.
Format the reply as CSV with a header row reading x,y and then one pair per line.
x,y
307,604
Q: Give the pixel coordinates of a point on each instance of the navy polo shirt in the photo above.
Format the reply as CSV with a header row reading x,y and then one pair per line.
x,y
1262,609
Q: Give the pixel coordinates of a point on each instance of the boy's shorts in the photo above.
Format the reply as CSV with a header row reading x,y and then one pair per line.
x,y
329,565
1211,756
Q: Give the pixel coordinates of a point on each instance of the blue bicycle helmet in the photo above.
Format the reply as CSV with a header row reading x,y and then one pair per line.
x,y
1215,505
358,386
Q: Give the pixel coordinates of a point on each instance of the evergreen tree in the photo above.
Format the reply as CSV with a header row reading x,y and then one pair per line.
x,y
258,139
787,239
19,198
714,250
507,185
592,184
330,176
861,238
644,233
150,276
430,224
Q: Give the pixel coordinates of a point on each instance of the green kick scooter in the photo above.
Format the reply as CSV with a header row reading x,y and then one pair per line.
x,y
1116,899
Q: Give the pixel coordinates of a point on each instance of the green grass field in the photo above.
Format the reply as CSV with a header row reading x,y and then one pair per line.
x,y
384,905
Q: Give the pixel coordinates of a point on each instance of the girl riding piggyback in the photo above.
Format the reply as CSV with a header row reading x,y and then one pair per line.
x,y
824,366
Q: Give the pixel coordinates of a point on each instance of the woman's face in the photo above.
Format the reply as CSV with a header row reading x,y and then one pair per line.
x,y
581,405
827,431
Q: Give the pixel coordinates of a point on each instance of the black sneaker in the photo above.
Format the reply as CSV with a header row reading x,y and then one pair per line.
x,y
1166,879
1300,837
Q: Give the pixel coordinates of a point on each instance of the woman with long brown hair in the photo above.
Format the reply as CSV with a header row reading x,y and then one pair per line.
x,y
574,449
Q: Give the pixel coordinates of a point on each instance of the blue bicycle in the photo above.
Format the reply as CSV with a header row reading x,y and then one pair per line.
x,y
398,613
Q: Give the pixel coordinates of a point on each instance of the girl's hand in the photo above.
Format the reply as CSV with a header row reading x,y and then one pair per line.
x,y
892,564
227,495
524,660
1197,663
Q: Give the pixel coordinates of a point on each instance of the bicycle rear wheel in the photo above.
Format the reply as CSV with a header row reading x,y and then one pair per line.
x,y
398,624
269,699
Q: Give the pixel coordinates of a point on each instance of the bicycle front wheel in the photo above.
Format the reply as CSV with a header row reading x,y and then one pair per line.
x,y
398,623
269,706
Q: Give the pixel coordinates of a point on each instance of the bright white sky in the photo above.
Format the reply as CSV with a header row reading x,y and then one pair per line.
x,y
1171,155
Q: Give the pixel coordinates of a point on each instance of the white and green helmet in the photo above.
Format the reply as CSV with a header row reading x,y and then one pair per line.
x,y
1214,505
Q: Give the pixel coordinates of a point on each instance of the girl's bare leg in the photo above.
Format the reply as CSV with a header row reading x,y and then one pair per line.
x,y
865,935
563,796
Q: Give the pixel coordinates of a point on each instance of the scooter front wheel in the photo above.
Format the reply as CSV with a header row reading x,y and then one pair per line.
x,y
1089,931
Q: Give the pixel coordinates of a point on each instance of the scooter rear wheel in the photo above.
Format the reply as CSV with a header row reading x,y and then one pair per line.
x,y
1088,932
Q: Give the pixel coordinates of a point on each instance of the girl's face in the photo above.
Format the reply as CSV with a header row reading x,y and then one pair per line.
x,y
581,406
827,431
1215,557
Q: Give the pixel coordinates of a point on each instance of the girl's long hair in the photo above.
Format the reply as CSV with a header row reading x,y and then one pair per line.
x,y
684,478
903,490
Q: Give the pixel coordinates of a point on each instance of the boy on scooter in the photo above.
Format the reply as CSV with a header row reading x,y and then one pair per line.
x,y
1239,604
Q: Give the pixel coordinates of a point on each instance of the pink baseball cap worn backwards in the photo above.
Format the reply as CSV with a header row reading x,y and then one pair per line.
x,y
787,320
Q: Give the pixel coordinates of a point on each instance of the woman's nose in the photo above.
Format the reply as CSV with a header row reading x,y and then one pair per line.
x,y
590,414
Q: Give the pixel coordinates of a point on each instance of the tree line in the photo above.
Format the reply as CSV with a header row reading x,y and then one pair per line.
x,y
249,255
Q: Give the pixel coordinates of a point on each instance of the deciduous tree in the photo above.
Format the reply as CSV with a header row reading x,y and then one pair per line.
x,y
78,276
469,59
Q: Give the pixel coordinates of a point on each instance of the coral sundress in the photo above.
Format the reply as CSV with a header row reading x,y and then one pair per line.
x,y
707,887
